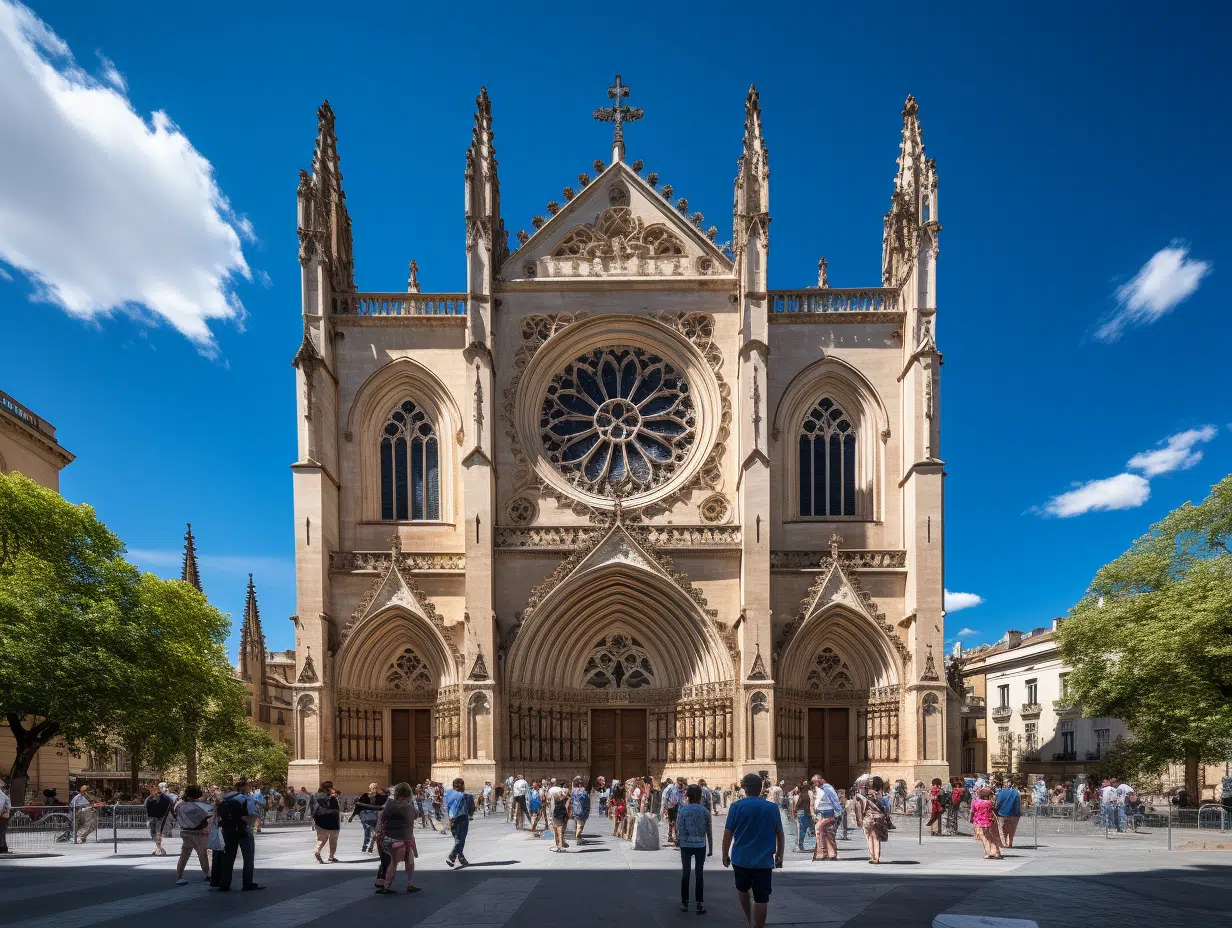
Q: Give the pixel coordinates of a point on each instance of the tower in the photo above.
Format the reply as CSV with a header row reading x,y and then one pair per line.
x,y
188,570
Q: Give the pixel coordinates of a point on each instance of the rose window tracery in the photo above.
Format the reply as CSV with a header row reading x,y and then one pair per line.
x,y
829,672
617,415
408,672
618,662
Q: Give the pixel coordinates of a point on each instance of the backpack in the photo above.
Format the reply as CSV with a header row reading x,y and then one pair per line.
x,y
534,802
231,814
157,806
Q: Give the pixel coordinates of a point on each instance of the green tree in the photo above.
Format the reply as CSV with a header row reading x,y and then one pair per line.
x,y
179,686
68,613
249,752
1151,641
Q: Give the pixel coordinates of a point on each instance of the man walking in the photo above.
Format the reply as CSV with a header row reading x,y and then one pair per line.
x,y
236,815
671,799
1123,791
85,817
6,809
460,806
1108,804
1008,806
158,812
753,845
520,789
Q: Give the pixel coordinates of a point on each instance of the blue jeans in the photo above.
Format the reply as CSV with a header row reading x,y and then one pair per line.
x,y
698,857
1120,810
459,826
1107,812
804,822
234,842
369,824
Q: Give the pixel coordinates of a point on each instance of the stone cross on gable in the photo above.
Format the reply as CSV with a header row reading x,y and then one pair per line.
x,y
618,114
836,541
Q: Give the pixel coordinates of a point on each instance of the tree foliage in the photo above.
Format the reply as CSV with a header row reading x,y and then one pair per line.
x,y
68,618
249,752
1151,641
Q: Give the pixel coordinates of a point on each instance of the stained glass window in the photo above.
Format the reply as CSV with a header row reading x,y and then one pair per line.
x,y
618,415
827,461
410,466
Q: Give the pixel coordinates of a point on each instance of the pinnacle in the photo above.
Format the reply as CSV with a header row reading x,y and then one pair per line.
x,y
910,108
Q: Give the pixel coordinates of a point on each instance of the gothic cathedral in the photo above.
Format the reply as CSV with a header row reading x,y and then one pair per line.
x,y
618,507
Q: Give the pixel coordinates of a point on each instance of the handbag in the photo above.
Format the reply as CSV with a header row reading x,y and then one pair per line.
x,y
216,842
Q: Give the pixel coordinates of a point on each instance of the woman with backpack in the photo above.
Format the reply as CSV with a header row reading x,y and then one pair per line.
x,y
327,817
873,819
193,816
581,807
534,804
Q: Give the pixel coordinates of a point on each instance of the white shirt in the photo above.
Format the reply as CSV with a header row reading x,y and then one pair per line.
x,y
80,801
1108,794
5,804
520,787
776,793
487,790
1123,790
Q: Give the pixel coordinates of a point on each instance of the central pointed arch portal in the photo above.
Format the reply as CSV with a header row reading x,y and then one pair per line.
x,y
619,669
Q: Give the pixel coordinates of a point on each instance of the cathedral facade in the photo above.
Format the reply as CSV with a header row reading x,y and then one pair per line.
x,y
616,506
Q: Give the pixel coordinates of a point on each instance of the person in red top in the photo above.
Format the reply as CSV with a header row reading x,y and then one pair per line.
x,y
936,809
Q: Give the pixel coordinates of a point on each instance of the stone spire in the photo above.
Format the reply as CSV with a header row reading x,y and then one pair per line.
x,y
752,200
252,639
913,204
324,223
188,570
483,218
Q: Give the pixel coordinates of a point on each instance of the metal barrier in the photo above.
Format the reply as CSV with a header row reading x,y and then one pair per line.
x,y
39,828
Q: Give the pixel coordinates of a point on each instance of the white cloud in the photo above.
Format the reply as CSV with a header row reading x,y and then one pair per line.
x,y
1124,491
955,601
966,633
102,210
111,74
1163,282
1173,453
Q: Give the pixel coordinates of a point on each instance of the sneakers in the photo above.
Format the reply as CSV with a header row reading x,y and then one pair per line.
x,y
463,862
183,882
449,862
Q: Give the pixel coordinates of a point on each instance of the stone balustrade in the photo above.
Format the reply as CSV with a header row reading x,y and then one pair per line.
x,y
830,300
399,304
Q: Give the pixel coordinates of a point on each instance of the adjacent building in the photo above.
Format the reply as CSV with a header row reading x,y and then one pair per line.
x,y
616,506
1018,715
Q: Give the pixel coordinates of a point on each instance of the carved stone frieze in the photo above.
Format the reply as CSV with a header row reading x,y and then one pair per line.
x,y
346,561
644,696
561,539
858,560
879,695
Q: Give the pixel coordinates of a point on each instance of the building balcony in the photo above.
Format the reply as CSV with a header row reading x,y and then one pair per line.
x,y
973,705
1065,756
1031,755
1093,755
998,761
1031,710
1001,713
1066,707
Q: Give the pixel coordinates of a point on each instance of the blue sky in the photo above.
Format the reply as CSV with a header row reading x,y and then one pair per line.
x,y
1084,277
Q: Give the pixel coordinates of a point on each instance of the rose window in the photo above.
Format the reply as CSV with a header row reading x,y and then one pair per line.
x,y
618,415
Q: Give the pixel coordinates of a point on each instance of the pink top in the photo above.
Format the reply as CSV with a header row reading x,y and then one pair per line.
x,y
981,813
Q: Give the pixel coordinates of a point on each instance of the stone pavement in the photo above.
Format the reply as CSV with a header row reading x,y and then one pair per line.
x,y
1084,882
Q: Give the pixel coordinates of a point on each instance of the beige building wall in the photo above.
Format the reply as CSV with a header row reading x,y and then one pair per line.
x,y
767,637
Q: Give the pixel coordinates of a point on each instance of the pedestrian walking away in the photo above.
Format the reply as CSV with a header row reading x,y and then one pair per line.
x,y
396,832
1008,805
236,814
692,824
802,807
829,809
753,845
460,807
581,807
327,819
936,807
874,821
158,813
368,807
6,811
984,823
193,816
560,802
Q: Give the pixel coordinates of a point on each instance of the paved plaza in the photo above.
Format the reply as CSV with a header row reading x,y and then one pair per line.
x,y
513,880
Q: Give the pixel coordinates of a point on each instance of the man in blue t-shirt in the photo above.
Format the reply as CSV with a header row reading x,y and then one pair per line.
x,y
1008,806
753,845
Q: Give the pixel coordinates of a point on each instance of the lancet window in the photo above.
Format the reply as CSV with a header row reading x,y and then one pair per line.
x,y
618,662
408,672
827,461
410,466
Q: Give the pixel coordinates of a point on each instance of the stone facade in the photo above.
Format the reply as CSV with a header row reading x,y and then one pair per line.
x,y
616,506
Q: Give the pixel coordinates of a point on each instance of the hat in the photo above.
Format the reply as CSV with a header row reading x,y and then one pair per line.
x,y
162,786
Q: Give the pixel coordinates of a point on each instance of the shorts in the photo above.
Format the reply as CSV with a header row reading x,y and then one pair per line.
x,y
671,814
160,826
756,880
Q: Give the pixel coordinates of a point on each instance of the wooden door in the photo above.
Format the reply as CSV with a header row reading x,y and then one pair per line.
x,y
617,743
410,746
829,745
400,746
